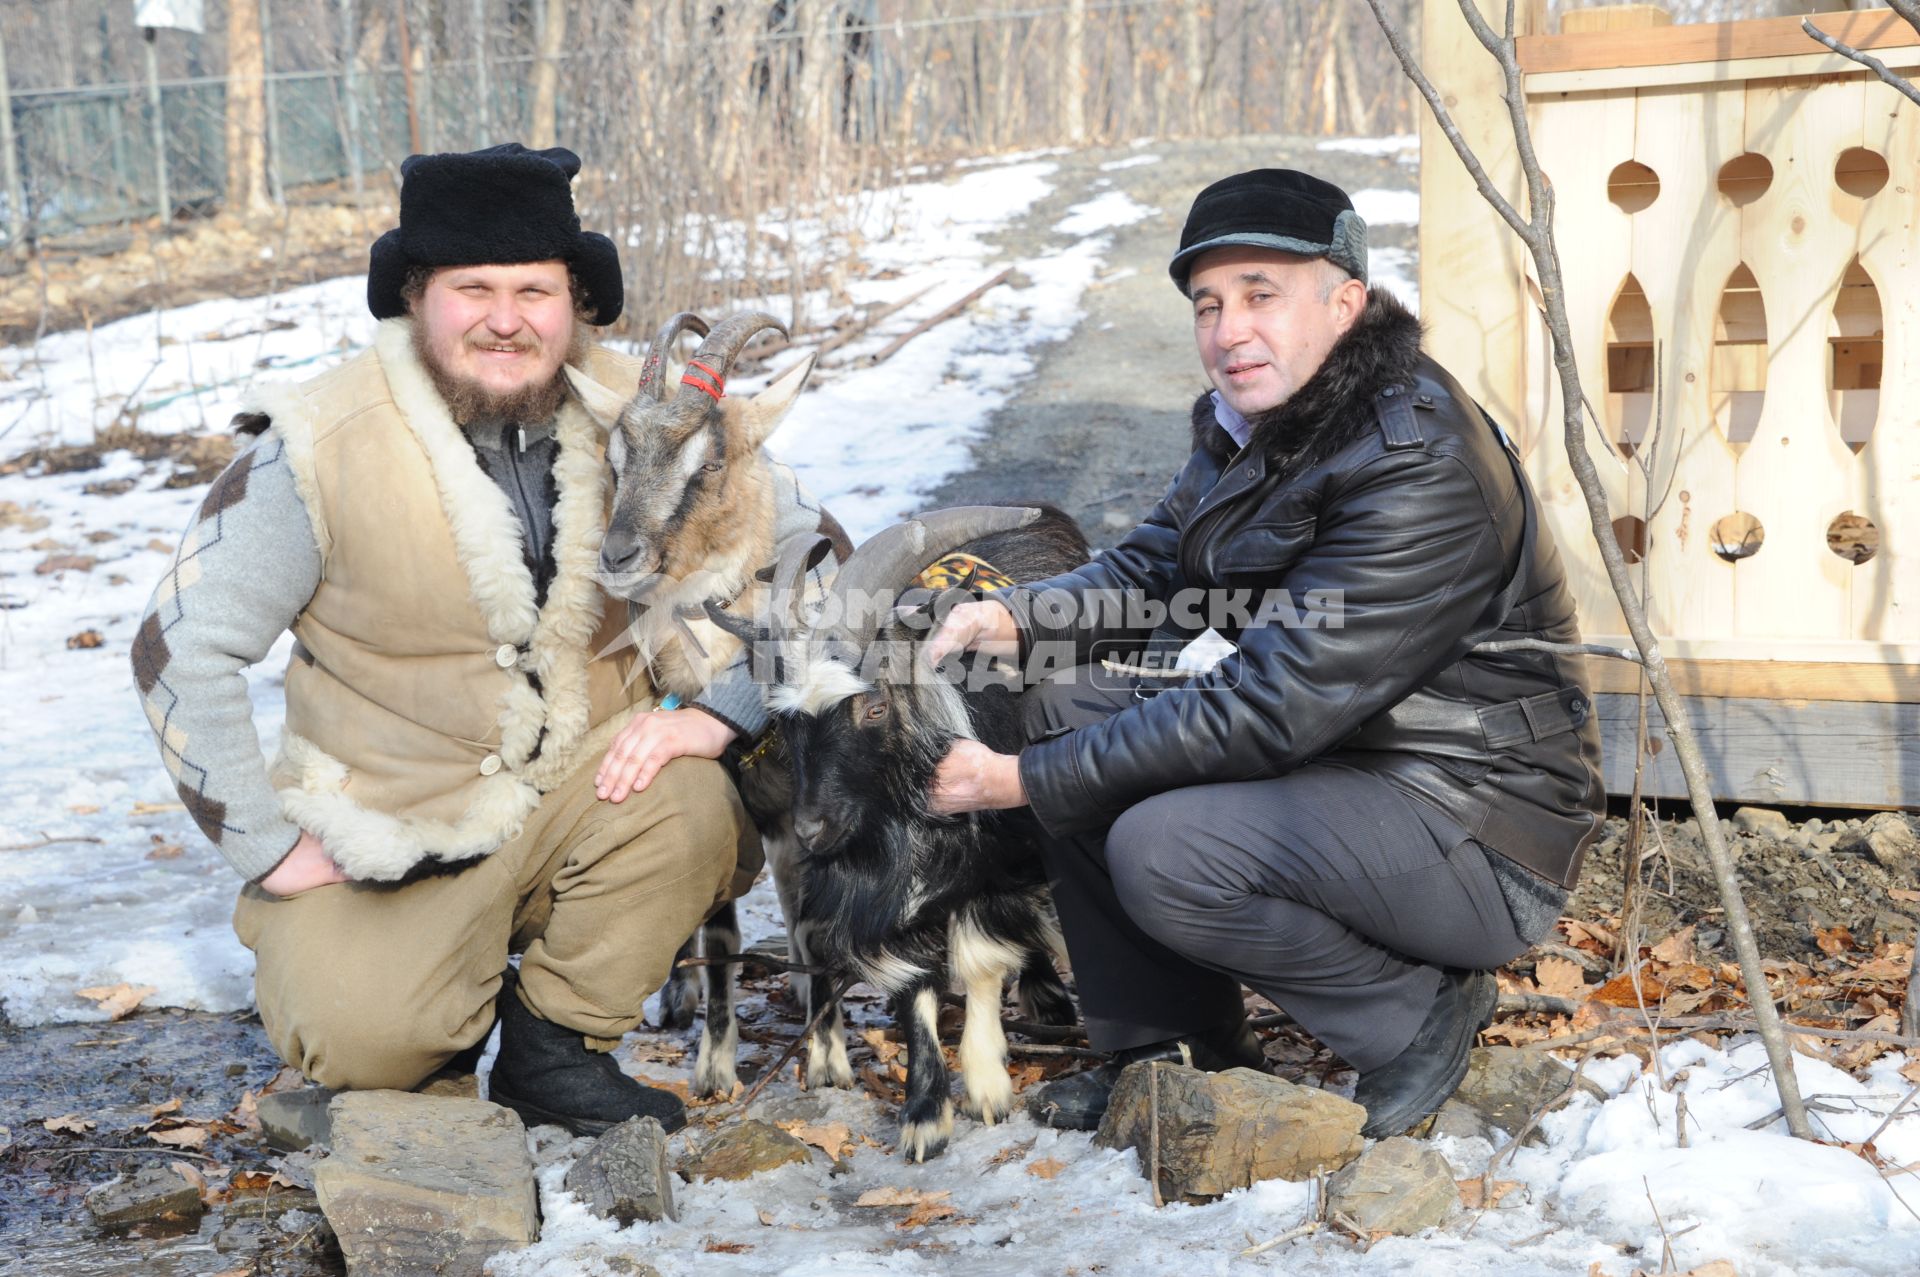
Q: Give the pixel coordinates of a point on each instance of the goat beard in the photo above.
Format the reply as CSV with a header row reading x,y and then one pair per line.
x,y
468,402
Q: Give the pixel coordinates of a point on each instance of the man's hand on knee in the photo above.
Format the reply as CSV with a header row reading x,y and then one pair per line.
x,y
308,865
651,741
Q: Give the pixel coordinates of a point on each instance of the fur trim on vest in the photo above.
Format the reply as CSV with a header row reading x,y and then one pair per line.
x,y
407,739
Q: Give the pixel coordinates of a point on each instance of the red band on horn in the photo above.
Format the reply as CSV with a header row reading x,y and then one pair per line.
x,y
719,387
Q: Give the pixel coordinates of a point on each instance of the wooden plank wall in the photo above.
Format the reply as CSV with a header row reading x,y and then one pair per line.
x,y
1790,467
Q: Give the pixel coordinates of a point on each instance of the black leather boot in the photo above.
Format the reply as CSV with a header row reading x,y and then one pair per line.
x,y
1078,1101
1418,1080
547,1075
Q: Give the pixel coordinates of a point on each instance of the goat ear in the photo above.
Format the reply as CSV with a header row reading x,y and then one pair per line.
x,y
602,403
762,413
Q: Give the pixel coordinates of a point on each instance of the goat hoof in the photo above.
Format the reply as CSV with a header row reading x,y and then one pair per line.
x,y
720,1080
678,1002
989,1109
927,1137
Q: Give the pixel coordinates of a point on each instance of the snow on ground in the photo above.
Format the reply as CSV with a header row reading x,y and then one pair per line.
x,y
125,890
1772,1207
1399,145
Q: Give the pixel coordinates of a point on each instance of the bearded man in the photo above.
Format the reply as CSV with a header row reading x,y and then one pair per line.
x,y
1360,812
426,519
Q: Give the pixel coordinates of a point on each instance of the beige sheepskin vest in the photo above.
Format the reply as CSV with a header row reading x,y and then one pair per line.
x,y
429,702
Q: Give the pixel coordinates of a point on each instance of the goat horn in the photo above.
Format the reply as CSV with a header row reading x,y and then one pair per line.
x,y
724,344
891,559
797,557
653,371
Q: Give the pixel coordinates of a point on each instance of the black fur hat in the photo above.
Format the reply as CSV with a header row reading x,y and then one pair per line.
x,y
1278,208
499,206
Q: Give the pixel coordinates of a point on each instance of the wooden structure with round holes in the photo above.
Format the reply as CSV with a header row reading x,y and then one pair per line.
x,y
1738,217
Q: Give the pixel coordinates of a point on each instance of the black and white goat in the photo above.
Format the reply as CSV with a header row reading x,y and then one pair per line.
x,y
693,520
888,893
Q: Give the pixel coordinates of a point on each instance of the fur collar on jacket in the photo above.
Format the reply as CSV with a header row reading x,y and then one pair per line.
x,y
1333,408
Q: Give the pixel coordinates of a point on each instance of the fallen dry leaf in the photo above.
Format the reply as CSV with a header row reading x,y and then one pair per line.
x,y
883,1050
69,1124
1905,894
85,639
1833,940
1911,1071
1560,978
766,1218
714,1247
164,850
154,809
1013,1152
191,1173
161,1110
927,1213
835,1139
192,1137
1677,949
1590,936
64,563
118,1000
1046,1167
84,809
1619,991
1473,1194
901,1197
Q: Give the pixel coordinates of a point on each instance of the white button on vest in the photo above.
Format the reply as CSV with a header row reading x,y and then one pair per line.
x,y
506,656
490,764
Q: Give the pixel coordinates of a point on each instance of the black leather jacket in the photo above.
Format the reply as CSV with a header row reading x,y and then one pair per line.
x,y
1383,482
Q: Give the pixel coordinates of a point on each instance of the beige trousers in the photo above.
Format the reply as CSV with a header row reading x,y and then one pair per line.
x,y
368,985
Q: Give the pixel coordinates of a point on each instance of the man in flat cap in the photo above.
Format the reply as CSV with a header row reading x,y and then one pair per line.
x,y
1359,812
426,519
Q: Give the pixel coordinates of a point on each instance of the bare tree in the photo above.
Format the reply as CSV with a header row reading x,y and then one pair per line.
x,y
546,76
1535,230
247,191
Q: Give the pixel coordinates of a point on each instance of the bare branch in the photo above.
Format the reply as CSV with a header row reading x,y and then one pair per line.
x,y
1537,234
1887,74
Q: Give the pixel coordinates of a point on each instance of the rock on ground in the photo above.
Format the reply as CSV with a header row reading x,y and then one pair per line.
x,y
293,1120
1764,821
1505,1085
1397,1186
1222,1131
1888,838
420,1184
623,1177
146,1194
744,1149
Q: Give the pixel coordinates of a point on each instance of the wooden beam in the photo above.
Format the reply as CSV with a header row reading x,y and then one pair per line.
x,y
1866,29
1812,753
1769,680
1613,17
1819,62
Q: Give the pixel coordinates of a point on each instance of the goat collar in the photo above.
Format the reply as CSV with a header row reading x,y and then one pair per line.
x,y
1334,407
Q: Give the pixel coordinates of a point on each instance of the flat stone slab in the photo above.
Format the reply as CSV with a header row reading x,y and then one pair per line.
x,y
1505,1085
1398,1186
152,1192
293,1120
425,1184
1222,1131
744,1149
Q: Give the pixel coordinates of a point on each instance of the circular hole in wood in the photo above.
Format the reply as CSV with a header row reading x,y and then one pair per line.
x,y
1859,171
1632,186
1854,537
1631,532
1745,178
1737,536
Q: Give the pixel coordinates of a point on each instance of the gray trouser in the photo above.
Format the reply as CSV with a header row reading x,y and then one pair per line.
x,y
1327,891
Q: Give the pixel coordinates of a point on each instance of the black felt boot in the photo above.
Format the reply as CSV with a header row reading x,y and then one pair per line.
x,y
1418,1080
547,1075
1078,1102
